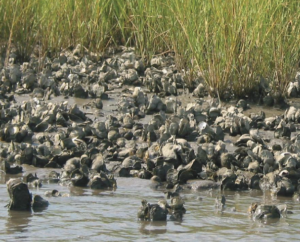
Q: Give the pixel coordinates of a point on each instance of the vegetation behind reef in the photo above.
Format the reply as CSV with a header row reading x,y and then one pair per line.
x,y
232,44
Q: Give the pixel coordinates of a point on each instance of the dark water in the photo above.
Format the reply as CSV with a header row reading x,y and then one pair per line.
x,y
88,215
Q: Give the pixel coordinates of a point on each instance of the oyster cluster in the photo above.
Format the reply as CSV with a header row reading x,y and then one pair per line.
x,y
160,210
157,129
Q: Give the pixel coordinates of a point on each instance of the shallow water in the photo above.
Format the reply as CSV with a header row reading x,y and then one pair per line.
x,y
89,215
112,216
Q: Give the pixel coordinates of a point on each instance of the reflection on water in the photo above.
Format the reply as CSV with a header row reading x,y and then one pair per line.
x,y
39,209
17,221
77,191
158,227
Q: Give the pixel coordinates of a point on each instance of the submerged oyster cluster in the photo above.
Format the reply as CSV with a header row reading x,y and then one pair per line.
x,y
156,129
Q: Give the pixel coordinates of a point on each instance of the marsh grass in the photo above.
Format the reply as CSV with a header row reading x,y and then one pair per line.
x,y
232,44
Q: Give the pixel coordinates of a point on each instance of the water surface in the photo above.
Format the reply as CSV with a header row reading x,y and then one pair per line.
x,y
90,215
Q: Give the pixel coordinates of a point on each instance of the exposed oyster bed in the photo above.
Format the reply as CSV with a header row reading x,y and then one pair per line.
x,y
102,117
